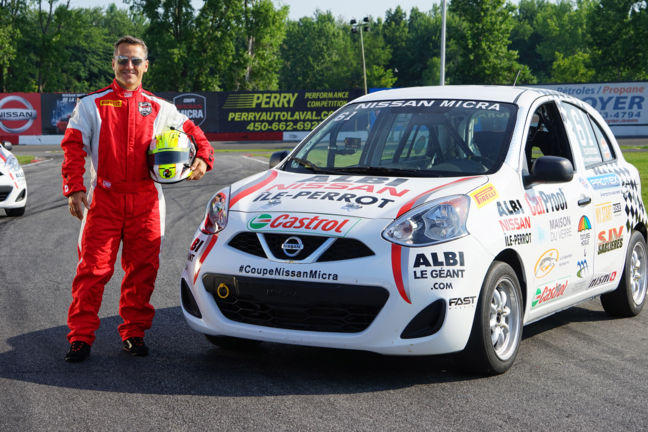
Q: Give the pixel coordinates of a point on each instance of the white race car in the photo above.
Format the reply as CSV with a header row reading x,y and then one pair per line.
x,y
13,187
424,221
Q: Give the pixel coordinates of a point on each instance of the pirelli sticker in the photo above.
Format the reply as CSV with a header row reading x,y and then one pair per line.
x,y
112,103
484,195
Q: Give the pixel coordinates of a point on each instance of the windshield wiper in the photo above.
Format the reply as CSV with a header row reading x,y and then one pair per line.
x,y
311,166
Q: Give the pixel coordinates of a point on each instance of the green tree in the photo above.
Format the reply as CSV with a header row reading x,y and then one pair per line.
x,y
480,44
573,69
317,53
257,60
619,30
12,12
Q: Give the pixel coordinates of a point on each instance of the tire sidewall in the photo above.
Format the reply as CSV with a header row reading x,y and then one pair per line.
x,y
497,271
626,283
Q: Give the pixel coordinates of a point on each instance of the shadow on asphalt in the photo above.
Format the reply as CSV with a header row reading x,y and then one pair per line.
x,y
568,316
183,362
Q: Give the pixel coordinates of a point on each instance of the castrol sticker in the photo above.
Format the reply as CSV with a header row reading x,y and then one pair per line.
x,y
303,223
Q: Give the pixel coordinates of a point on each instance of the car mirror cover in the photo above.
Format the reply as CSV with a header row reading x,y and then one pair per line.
x,y
550,169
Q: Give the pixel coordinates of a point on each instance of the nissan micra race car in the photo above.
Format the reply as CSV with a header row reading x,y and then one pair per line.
x,y
424,221
13,187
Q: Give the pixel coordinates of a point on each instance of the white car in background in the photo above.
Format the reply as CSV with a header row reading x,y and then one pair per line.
x,y
424,221
13,187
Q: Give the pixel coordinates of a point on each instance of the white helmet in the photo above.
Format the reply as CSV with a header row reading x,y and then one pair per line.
x,y
170,156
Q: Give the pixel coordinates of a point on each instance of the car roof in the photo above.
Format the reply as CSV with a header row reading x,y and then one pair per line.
x,y
507,94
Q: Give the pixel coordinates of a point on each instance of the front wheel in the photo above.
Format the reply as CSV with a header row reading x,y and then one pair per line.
x,y
497,327
629,297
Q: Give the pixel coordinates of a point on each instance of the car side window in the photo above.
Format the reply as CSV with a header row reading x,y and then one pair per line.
x,y
581,133
604,143
546,135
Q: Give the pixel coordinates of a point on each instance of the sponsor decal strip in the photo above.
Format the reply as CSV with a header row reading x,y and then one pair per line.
x,y
398,272
208,249
396,252
247,190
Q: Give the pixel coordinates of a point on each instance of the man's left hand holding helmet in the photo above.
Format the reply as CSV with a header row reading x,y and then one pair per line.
x,y
115,126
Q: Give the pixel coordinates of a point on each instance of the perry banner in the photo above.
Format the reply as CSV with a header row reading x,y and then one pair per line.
x,y
278,112
624,105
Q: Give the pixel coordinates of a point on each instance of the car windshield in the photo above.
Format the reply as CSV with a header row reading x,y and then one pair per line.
x,y
420,138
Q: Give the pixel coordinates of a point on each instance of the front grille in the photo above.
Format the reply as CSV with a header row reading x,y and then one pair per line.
x,y
296,305
247,242
340,249
344,249
4,192
310,243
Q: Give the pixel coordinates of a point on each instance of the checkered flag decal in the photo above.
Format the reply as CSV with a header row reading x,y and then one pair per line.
x,y
634,207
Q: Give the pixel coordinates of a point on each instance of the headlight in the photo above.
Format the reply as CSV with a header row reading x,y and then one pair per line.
x,y
216,212
434,222
14,166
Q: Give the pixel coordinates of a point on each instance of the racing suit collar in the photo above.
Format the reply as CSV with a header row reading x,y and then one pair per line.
x,y
122,92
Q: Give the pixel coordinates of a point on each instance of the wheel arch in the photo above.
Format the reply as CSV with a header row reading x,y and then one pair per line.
x,y
512,258
642,229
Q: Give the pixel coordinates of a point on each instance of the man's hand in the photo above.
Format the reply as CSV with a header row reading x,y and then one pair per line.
x,y
76,201
198,169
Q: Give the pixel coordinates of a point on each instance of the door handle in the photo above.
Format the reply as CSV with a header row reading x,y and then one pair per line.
x,y
584,201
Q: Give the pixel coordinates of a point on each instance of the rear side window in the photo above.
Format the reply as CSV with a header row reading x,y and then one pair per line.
x,y
604,144
579,129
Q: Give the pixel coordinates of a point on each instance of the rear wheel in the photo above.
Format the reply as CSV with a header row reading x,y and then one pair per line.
x,y
497,327
15,211
232,343
630,296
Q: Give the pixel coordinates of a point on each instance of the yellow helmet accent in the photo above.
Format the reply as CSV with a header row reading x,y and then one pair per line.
x,y
170,156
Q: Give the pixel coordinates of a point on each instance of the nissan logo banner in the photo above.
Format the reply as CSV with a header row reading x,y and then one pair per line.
x,y
20,114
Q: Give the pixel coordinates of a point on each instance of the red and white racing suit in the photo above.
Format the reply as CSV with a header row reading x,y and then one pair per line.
x,y
115,127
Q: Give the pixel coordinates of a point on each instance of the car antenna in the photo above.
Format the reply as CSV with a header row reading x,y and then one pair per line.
x,y
516,77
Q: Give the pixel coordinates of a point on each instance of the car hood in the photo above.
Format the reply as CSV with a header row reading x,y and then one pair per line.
x,y
353,195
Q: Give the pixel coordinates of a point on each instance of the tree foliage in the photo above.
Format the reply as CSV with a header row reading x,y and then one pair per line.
x,y
46,45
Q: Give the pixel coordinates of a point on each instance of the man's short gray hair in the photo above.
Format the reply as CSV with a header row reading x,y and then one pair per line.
x,y
131,40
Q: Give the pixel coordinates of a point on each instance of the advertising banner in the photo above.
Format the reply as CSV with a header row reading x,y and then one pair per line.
x,y
624,106
19,115
57,110
200,107
293,111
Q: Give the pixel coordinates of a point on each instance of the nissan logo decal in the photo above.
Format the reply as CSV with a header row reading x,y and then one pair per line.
x,y
292,246
27,114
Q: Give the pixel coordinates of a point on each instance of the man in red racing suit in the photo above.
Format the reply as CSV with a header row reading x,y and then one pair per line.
x,y
115,126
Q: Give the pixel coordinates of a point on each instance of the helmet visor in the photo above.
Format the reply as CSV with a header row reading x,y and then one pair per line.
x,y
166,157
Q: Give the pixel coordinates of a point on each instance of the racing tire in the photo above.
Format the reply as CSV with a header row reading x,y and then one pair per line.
x,y
232,343
497,328
629,297
15,211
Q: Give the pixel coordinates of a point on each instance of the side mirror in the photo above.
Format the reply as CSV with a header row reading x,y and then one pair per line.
x,y
550,169
277,157
7,145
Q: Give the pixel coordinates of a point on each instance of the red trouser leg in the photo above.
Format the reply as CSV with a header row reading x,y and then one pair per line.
x,y
142,239
98,246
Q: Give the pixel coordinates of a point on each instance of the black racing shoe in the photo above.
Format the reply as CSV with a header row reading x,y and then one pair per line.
x,y
135,346
78,352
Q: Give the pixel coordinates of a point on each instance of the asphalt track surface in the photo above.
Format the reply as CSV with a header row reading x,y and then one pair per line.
x,y
577,370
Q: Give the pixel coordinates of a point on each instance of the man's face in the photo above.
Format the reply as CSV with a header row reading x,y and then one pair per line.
x,y
128,75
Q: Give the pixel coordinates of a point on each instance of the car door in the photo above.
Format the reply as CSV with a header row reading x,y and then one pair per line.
x,y
605,187
563,250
